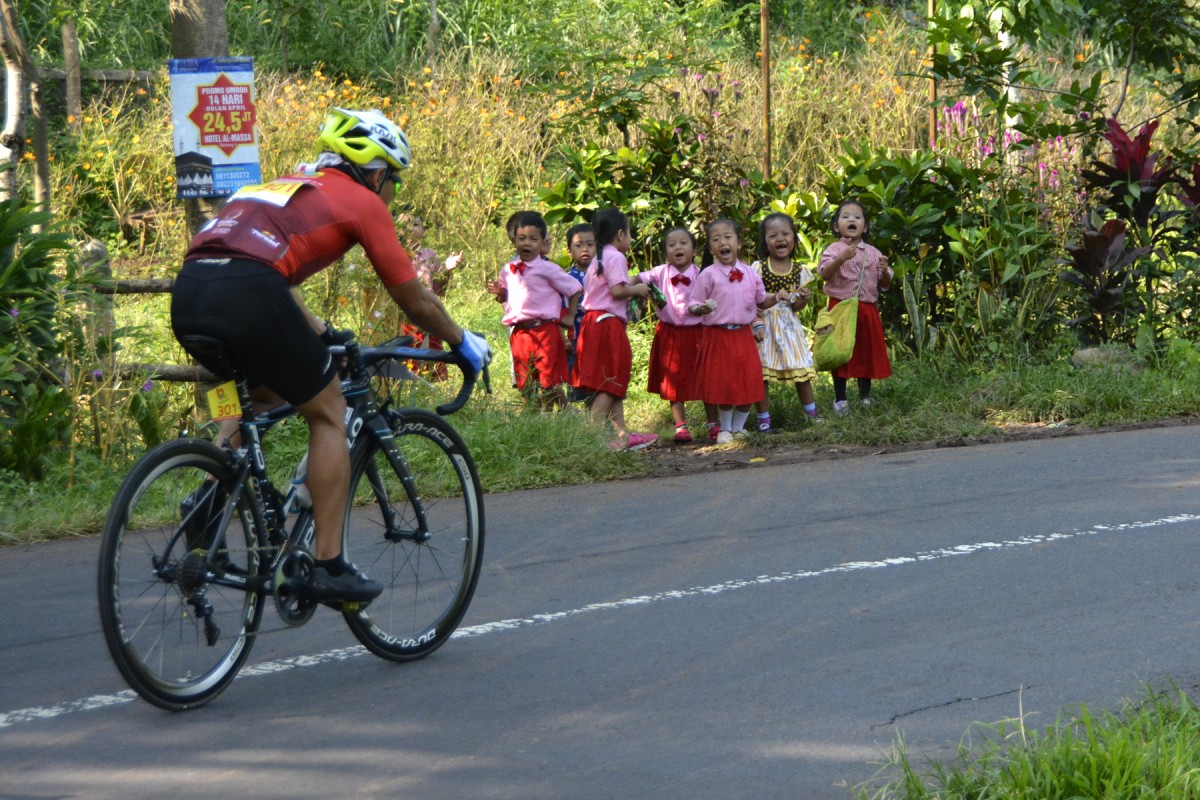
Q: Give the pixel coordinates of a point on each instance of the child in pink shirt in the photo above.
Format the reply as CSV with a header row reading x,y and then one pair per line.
x,y
727,296
604,359
532,290
677,334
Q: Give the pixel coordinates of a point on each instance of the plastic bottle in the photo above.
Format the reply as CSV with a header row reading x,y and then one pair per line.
x,y
301,496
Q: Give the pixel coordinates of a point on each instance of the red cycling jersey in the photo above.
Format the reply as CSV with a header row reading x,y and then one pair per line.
x,y
301,224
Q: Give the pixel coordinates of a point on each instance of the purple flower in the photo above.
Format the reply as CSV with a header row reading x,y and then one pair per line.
x,y
700,137
12,312
97,373
744,182
147,386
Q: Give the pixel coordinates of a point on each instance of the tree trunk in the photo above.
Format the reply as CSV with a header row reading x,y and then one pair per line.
x,y
70,39
17,70
198,30
435,27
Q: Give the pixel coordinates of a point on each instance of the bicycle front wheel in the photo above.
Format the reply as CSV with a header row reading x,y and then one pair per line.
x,y
415,524
177,636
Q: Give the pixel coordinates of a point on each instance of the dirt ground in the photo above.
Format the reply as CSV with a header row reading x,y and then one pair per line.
x,y
668,459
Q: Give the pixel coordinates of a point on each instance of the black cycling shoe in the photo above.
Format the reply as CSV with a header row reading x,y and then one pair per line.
x,y
351,586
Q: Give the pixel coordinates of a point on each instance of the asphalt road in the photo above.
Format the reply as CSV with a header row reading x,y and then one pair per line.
x,y
759,633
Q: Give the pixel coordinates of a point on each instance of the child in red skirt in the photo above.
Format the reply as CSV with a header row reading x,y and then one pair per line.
x,y
604,358
533,291
435,274
727,296
841,265
677,334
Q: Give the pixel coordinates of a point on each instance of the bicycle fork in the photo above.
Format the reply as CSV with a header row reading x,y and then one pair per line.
x,y
392,532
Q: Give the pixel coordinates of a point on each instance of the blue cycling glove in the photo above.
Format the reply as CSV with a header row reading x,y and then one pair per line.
x,y
475,349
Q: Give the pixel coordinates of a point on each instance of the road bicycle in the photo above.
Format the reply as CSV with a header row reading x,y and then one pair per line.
x,y
199,538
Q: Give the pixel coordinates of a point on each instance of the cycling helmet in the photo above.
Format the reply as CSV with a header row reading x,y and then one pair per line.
x,y
363,136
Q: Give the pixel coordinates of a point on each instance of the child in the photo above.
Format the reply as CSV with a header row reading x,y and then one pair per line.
x,y
605,359
841,265
783,347
532,290
677,334
727,295
581,245
435,274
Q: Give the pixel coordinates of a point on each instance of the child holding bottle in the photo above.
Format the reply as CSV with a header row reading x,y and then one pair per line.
x,y
727,296
782,345
845,265
604,358
677,335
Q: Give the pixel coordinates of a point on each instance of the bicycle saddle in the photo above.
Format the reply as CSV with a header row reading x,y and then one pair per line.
x,y
211,353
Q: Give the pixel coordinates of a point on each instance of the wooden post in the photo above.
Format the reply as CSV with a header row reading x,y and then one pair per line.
x,y
764,20
74,90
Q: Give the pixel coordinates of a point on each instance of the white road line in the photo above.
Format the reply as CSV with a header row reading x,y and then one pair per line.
x,y
341,654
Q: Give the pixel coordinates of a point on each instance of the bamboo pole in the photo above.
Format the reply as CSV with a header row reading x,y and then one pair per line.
x,y
764,20
933,91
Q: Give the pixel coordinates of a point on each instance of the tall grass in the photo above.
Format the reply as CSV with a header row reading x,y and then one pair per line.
x,y
1148,750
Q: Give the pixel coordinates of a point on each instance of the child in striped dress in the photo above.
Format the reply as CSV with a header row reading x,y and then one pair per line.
x,y
677,334
782,344
726,296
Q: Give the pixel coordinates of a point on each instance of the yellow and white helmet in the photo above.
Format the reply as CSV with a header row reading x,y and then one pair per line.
x,y
363,136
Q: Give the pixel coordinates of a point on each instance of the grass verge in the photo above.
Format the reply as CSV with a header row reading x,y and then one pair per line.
x,y
1149,750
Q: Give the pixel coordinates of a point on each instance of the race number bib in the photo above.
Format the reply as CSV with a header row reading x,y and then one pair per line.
x,y
223,402
277,193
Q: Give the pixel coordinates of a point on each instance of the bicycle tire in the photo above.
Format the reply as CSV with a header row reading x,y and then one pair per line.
x,y
428,585
152,613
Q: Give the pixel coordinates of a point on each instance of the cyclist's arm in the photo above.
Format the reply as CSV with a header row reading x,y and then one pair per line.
x,y
425,310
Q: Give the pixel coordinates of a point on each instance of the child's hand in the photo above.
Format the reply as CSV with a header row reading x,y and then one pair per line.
x,y
847,252
496,287
760,331
639,290
800,298
783,296
453,260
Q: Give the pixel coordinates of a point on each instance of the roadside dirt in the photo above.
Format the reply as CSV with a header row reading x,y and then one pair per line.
x,y
668,459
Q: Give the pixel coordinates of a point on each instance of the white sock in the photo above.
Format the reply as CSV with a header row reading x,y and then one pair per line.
x,y
739,420
725,416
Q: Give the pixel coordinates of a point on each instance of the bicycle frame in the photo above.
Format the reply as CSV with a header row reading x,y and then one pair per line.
x,y
269,507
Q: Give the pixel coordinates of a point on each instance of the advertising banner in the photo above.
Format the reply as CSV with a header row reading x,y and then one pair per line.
x,y
212,110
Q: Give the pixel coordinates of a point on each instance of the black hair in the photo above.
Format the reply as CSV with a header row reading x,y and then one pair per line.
x,y
510,226
529,219
575,230
837,212
707,258
678,229
607,223
762,232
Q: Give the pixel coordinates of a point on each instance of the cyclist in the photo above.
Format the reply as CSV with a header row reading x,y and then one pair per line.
x,y
237,286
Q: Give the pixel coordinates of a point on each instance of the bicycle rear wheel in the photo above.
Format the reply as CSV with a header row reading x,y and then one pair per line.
x,y
423,541
177,637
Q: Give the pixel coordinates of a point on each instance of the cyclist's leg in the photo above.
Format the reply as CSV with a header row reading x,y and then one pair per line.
x,y
334,577
328,467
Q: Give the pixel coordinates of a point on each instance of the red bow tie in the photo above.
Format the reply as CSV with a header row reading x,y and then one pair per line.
x,y
678,279
735,276
517,267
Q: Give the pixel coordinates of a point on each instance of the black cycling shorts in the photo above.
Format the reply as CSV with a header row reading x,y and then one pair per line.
x,y
248,307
